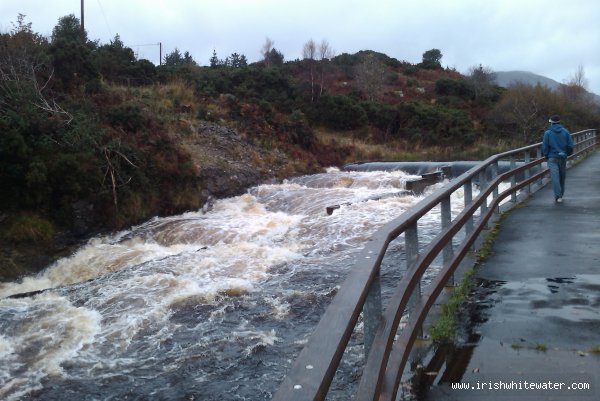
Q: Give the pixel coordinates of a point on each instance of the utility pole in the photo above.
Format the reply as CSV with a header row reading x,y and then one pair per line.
x,y
82,25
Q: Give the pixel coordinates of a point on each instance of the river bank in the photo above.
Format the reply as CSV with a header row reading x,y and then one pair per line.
x,y
226,164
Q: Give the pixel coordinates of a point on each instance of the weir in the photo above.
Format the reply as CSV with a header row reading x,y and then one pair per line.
x,y
450,169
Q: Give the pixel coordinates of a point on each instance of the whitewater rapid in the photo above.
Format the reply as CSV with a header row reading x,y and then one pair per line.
x,y
212,304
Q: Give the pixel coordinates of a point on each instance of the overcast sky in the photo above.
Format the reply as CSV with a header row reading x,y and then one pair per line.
x,y
547,37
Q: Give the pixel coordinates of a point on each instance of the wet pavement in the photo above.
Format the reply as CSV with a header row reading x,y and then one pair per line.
x,y
536,310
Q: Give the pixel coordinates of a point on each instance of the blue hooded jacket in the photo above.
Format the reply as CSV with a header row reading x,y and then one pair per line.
x,y
557,142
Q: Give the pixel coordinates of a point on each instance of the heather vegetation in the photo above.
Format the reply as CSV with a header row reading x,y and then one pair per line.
x,y
92,138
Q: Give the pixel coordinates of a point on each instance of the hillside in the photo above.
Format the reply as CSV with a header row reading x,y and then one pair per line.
x,y
93,140
109,156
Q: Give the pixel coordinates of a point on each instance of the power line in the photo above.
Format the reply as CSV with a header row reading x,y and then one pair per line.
x,y
159,44
105,19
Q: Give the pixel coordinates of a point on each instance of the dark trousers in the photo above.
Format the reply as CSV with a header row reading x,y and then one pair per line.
x,y
558,173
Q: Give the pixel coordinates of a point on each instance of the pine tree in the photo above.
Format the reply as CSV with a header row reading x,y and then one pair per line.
x,y
214,60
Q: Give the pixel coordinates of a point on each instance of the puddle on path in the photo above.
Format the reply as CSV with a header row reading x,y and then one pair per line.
x,y
574,298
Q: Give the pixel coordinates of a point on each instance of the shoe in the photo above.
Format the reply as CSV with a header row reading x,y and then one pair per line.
x,y
559,200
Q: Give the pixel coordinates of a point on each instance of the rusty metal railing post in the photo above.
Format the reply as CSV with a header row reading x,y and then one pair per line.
x,y
411,247
468,197
527,172
446,209
372,313
494,171
538,154
513,179
482,186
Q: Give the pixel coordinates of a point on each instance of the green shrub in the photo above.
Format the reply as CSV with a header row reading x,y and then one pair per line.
x,y
29,227
391,78
451,102
346,62
453,87
271,85
202,112
93,86
233,103
267,109
339,112
298,131
410,69
436,124
128,116
382,116
142,72
36,182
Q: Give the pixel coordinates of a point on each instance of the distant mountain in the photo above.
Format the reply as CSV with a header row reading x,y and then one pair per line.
x,y
507,78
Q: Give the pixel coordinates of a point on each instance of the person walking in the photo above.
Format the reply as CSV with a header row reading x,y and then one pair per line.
x,y
557,144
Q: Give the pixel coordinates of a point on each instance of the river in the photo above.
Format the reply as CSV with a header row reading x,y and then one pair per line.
x,y
207,305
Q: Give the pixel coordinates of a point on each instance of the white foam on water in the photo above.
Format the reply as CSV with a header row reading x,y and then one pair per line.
x,y
232,221
6,348
239,222
100,256
46,331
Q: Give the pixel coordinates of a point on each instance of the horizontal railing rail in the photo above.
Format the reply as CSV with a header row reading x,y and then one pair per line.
x,y
386,348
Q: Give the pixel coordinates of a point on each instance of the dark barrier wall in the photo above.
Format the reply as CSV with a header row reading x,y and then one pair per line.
x,y
455,168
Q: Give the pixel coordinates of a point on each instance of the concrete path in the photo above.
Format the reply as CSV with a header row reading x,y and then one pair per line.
x,y
537,307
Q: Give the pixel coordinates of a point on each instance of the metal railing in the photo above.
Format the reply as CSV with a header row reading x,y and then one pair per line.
x,y
386,348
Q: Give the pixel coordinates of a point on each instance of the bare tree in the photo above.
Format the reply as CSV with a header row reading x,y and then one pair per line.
x,y
317,58
266,51
325,54
309,52
325,51
482,80
522,113
370,76
575,89
578,79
